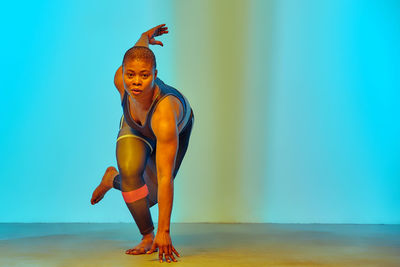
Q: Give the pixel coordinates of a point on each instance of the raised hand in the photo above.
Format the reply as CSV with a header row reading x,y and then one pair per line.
x,y
165,247
156,31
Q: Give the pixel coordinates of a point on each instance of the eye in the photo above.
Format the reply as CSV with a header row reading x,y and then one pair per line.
x,y
130,75
145,76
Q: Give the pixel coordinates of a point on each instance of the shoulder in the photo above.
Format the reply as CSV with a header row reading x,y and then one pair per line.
x,y
167,108
169,102
118,82
165,117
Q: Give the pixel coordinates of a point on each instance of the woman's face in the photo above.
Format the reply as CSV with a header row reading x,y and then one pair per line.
x,y
139,76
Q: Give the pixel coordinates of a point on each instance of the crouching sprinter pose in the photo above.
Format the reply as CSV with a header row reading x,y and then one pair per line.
x,y
153,138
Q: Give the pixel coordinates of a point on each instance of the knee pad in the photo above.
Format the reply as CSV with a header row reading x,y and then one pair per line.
x,y
132,196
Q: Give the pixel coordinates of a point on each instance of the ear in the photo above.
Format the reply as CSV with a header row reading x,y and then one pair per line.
x,y
155,74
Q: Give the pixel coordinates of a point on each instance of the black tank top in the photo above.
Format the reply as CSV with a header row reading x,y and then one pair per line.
x,y
145,130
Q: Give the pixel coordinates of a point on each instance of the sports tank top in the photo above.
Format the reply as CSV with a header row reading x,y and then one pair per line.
x,y
145,131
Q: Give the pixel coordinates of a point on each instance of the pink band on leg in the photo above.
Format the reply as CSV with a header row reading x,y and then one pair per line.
x,y
134,195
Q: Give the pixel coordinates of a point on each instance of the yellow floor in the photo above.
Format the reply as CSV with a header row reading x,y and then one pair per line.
x,y
73,244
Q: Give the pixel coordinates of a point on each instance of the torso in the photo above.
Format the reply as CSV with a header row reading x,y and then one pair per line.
x,y
139,114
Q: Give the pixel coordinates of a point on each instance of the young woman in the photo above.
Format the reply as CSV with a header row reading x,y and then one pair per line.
x,y
153,138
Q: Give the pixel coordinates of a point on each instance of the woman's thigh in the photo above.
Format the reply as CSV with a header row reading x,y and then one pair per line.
x,y
132,156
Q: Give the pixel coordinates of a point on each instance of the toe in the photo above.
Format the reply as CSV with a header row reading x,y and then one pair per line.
x,y
132,251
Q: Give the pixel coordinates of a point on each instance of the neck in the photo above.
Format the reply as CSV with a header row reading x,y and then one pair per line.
x,y
143,101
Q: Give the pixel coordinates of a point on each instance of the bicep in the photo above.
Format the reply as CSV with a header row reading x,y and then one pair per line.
x,y
165,129
167,148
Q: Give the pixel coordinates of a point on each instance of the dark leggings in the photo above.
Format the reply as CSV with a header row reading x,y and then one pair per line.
x,y
137,170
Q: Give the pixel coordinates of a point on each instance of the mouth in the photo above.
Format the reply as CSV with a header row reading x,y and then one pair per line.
x,y
136,91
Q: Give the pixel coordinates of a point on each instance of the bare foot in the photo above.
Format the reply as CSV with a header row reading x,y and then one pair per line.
x,y
143,246
105,185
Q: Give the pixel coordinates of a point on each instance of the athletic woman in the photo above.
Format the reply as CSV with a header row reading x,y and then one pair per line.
x,y
152,141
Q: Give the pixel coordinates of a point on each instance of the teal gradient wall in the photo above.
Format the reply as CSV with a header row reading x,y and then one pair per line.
x,y
296,104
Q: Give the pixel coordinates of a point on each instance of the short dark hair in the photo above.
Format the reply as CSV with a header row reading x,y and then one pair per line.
x,y
140,52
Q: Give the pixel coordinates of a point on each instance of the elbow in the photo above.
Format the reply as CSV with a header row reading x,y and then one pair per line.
x,y
118,82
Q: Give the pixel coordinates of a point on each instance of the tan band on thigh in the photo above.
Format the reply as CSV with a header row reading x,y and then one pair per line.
x,y
131,135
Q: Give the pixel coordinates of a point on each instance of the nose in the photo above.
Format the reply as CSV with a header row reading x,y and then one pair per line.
x,y
136,80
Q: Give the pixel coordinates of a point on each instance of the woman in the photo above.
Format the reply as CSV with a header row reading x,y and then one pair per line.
x,y
153,138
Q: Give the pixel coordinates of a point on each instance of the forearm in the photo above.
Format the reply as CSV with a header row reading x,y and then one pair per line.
x,y
143,40
165,200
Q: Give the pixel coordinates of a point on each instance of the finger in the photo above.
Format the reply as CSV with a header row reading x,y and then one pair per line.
x,y
158,27
166,254
93,200
160,254
167,258
161,33
149,252
156,42
153,248
173,258
176,252
169,250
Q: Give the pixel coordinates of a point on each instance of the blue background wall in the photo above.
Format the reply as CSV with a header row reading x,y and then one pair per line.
x,y
296,102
